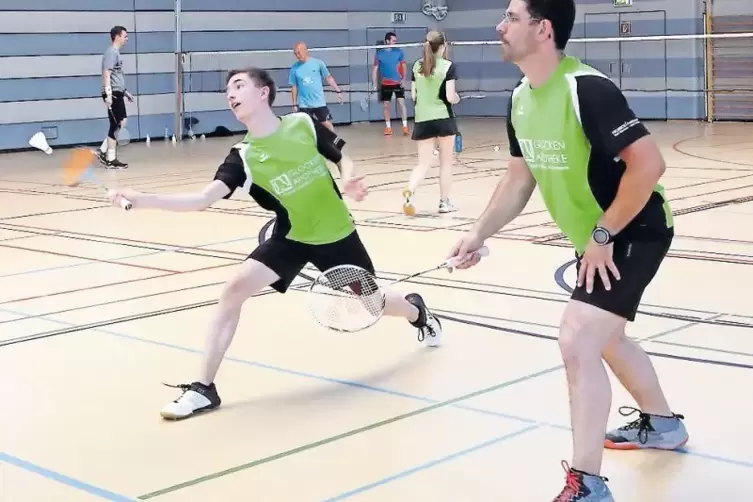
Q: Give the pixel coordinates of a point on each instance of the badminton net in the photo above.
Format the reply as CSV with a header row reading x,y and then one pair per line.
x,y
702,77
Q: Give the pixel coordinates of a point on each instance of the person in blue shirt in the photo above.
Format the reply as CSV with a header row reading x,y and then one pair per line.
x,y
305,79
390,63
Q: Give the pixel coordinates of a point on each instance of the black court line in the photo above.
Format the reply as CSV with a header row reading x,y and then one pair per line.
x,y
559,278
353,432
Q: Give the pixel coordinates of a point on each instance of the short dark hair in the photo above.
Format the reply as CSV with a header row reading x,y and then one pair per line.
x,y
116,30
261,77
561,13
389,35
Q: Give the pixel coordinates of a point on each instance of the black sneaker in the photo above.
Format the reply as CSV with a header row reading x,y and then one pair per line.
x,y
102,156
116,164
196,398
429,326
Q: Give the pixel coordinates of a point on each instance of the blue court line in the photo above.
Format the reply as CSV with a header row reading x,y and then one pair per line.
x,y
428,465
351,383
139,255
63,479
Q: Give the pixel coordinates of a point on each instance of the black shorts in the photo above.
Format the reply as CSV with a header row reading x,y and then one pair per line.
x,y
434,129
385,93
637,261
320,114
287,258
117,113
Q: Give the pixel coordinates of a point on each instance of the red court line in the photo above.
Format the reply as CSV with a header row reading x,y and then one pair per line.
x,y
117,283
144,245
111,262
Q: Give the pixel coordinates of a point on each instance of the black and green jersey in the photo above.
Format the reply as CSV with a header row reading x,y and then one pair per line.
x,y
286,172
431,92
570,132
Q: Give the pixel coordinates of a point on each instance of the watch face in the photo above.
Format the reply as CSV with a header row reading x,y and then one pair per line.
x,y
600,236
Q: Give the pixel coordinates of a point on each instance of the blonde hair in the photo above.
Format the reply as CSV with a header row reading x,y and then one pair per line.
x,y
434,40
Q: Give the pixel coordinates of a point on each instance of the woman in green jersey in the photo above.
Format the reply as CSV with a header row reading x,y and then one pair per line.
x,y
433,92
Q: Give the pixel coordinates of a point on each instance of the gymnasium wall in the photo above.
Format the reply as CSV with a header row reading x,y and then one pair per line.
x,y
50,59
661,79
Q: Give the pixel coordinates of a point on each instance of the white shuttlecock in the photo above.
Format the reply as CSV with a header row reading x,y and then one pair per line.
x,y
203,136
496,148
148,140
39,141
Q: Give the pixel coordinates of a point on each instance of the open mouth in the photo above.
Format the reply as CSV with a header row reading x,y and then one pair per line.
x,y
235,105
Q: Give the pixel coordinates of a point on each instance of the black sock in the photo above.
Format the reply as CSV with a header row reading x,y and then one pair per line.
x,y
418,302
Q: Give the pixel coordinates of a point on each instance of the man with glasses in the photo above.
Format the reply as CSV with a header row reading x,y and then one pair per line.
x,y
572,133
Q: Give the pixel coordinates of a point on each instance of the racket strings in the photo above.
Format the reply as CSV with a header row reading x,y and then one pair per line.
x,y
346,298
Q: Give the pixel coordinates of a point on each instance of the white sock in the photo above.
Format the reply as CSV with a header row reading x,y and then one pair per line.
x,y
405,122
103,148
110,154
389,123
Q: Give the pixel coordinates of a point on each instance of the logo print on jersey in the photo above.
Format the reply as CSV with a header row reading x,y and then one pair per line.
x,y
544,154
299,177
281,184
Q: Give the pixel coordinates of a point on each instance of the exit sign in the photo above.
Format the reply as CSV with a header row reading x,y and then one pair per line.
x,y
399,17
622,3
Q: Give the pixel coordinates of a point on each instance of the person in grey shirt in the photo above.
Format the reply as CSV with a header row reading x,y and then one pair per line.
x,y
114,94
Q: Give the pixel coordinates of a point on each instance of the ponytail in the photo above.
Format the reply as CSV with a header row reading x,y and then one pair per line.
x,y
428,61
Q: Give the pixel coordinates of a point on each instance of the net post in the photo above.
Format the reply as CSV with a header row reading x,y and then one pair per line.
x,y
178,126
708,62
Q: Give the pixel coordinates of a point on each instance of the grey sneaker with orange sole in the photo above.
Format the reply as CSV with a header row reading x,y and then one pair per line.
x,y
648,431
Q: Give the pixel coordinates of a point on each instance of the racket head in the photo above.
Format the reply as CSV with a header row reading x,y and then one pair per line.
x,y
124,137
77,165
346,298
365,104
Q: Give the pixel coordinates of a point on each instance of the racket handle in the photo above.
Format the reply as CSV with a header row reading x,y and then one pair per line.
x,y
453,262
125,204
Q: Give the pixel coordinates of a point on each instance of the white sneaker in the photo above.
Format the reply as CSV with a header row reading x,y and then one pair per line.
x,y
445,206
196,398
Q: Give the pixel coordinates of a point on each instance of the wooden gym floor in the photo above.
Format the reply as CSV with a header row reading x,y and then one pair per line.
x,y
99,306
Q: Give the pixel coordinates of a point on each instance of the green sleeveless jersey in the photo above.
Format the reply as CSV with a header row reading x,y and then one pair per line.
x,y
286,172
431,93
570,132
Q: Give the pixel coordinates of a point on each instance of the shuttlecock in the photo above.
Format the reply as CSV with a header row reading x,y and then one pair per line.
x,y
496,148
148,140
203,136
39,141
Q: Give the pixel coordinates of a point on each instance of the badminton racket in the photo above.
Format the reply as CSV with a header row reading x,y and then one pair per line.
x,y
79,168
365,101
348,299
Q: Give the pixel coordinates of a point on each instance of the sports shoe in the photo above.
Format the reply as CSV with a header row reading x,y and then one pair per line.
x,y
582,487
445,206
196,398
429,326
408,208
406,131
648,431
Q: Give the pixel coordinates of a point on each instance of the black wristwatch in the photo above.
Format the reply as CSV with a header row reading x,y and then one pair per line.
x,y
601,236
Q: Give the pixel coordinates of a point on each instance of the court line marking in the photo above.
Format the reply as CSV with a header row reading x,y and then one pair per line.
x,y
352,432
361,385
63,479
428,465
88,262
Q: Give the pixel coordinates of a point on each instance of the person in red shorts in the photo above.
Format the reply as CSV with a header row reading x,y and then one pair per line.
x,y
390,63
